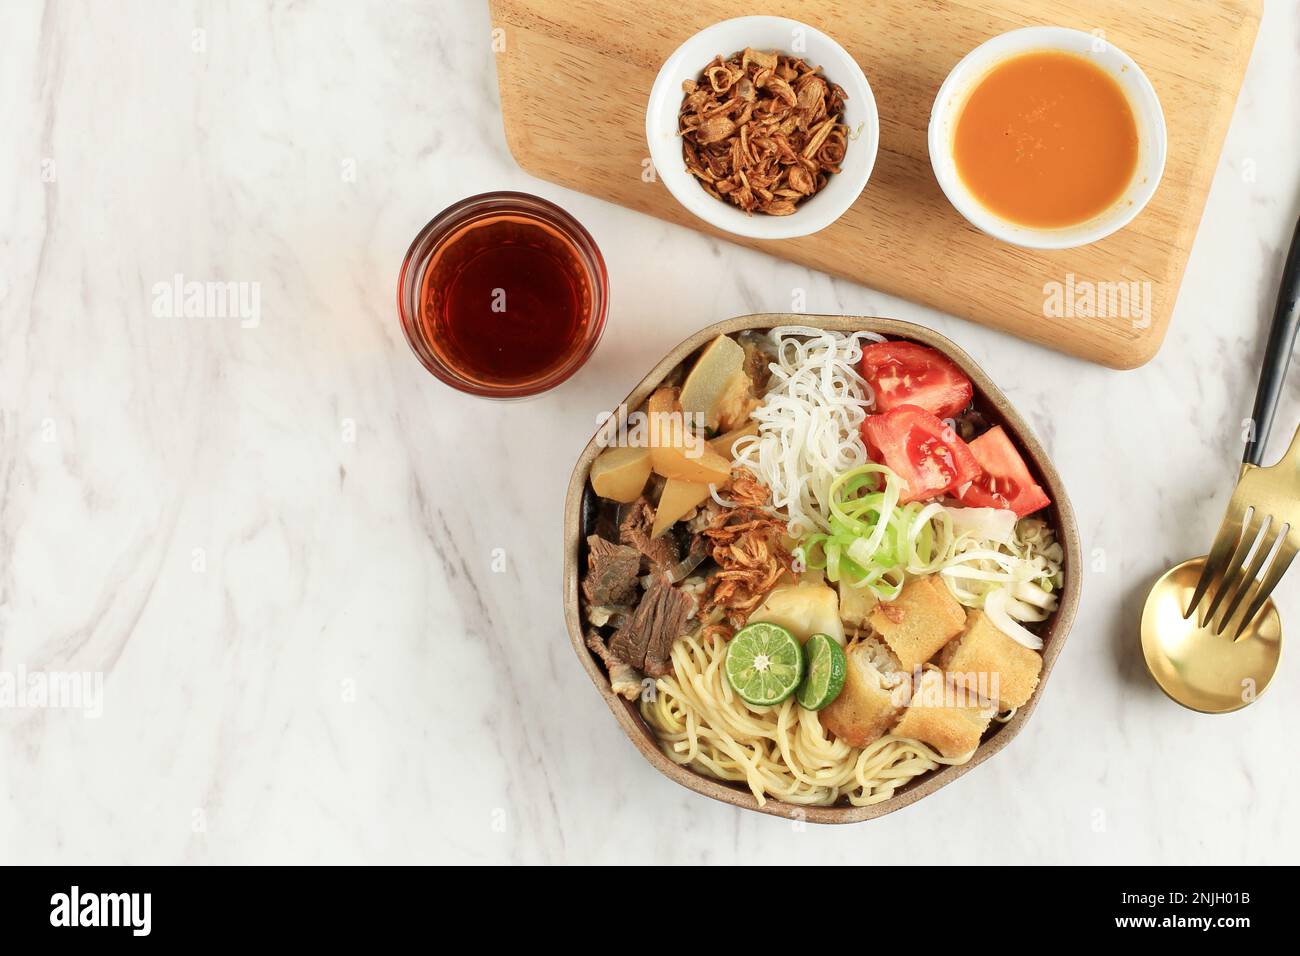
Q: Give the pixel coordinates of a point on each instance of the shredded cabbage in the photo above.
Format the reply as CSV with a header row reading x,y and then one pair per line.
x,y
1013,581
994,524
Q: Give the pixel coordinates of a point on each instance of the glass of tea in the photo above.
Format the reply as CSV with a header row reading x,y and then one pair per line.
x,y
503,295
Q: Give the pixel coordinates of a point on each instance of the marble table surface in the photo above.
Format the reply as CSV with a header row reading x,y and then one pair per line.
x,y
316,595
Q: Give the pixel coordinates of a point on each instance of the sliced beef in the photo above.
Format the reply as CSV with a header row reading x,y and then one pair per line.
x,y
676,608
600,516
630,641
646,640
624,679
634,530
612,570
698,548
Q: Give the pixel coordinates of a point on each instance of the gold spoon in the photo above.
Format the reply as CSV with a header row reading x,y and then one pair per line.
x,y
1223,658
1195,666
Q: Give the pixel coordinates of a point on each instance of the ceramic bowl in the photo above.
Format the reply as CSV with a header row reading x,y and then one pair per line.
x,y
1141,95
997,409
763,33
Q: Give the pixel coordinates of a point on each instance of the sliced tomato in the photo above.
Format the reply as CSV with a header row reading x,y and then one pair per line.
x,y
1004,481
904,373
921,450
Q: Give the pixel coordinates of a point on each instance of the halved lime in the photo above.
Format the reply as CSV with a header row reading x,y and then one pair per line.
x,y
824,667
764,663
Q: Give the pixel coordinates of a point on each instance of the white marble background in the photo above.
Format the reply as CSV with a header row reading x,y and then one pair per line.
x,y
276,542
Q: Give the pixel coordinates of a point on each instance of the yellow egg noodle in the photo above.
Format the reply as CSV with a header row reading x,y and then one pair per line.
x,y
781,752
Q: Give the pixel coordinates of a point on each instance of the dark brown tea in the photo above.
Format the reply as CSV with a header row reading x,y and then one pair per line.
x,y
503,295
506,300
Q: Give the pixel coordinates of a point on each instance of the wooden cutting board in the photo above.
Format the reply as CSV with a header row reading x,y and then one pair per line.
x,y
575,76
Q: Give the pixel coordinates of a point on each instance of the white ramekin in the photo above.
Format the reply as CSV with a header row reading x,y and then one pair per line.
x,y
763,33
1137,88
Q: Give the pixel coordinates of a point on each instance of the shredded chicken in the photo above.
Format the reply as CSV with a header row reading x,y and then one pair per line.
x,y
745,541
762,130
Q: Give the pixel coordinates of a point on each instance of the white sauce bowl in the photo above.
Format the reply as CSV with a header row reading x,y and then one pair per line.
x,y
1142,99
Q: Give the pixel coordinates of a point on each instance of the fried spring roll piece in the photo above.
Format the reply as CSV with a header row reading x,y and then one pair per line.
x,y
942,715
922,619
985,660
868,703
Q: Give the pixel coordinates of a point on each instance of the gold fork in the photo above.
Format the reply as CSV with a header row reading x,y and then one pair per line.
x,y
1260,532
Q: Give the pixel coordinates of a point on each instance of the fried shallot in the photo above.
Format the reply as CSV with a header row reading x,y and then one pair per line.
x,y
745,541
762,130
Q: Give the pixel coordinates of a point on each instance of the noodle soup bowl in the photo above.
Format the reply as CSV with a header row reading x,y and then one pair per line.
x,y
579,518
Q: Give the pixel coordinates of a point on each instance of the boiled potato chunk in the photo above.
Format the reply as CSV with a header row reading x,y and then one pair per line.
x,y
803,609
676,451
665,425
812,575
725,445
713,374
856,604
694,462
678,498
620,474
660,409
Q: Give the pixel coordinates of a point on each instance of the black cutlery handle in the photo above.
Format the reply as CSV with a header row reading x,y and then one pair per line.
x,y
1277,354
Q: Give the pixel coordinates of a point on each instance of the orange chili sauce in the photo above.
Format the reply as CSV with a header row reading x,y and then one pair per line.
x,y
1046,139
